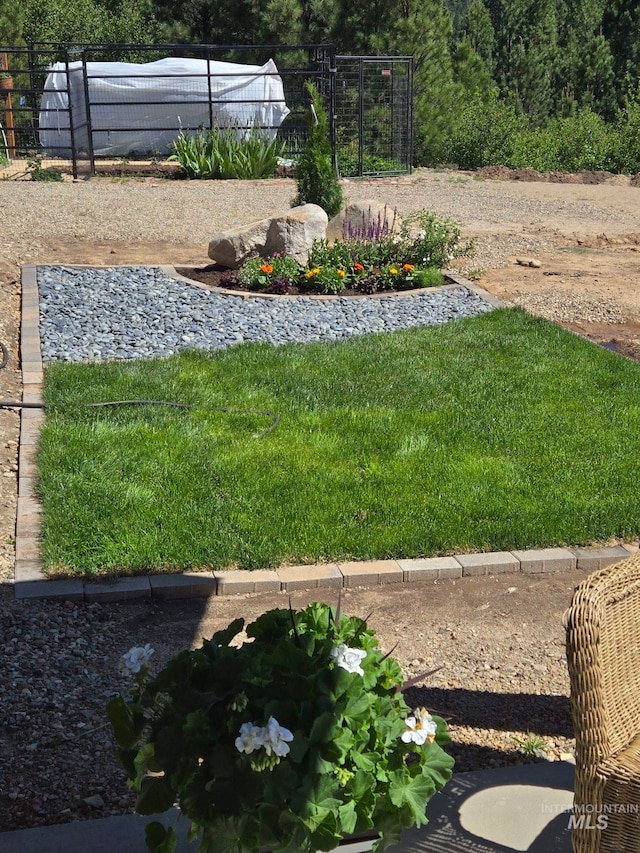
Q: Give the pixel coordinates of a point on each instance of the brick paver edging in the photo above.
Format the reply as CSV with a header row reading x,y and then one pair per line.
x,y
31,582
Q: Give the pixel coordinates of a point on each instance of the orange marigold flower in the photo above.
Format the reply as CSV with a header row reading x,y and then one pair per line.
x,y
408,267
266,268
358,267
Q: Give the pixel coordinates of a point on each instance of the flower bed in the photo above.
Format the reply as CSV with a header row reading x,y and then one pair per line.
x,y
371,257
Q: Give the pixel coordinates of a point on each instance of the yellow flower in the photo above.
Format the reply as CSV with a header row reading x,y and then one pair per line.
x,y
341,273
393,271
312,272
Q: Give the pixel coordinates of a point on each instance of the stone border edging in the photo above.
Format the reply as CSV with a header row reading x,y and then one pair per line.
x,y
31,583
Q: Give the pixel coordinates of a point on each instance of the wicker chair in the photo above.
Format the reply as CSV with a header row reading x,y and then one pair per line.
x,y
603,655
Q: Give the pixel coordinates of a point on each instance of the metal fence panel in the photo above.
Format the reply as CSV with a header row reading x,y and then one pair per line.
x,y
374,115
369,101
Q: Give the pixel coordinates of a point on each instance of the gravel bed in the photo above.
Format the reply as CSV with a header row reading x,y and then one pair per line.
x,y
139,312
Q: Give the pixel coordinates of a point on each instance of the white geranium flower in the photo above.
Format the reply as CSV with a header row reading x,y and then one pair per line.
x,y
421,728
349,659
251,738
276,738
135,658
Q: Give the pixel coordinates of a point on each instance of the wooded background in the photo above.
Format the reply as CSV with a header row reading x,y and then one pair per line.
x,y
492,77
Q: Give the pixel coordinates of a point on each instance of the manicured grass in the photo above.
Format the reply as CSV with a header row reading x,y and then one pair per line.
x,y
498,432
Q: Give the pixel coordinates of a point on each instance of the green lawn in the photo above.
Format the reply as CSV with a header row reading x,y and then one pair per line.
x,y
499,432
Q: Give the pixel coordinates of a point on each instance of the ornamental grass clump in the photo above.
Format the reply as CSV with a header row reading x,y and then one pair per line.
x,y
227,153
291,741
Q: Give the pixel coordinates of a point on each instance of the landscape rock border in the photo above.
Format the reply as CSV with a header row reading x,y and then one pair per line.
x,y
31,583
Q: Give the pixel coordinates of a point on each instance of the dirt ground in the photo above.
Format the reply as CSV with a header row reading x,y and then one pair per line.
x,y
501,639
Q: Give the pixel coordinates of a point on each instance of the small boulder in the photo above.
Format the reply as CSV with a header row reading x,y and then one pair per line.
x,y
366,219
292,233
232,248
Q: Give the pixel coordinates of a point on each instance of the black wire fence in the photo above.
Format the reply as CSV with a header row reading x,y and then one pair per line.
x,y
75,107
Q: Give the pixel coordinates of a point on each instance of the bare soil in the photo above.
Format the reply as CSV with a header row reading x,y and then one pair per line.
x,y
500,639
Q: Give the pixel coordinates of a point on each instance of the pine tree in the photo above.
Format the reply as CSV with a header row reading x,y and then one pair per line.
x,y
478,31
11,18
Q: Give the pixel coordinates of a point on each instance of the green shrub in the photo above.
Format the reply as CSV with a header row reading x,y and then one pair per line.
x,y
428,277
349,162
428,240
626,140
39,173
580,142
490,133
226,153
315,175
484,134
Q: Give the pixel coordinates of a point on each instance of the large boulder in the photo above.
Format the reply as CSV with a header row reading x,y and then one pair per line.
x,y
366,219
292,233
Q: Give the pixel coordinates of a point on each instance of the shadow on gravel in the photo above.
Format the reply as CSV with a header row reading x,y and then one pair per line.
x,y
545,715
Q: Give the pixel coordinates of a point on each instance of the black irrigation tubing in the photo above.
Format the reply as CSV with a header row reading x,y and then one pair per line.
x,y
14,404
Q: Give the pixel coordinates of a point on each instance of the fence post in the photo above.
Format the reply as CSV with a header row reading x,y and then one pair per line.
x,y
72,136
6,87
85,81
333,108
209,88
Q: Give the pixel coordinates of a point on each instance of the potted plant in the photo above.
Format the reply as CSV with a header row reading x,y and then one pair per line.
x,y
292,741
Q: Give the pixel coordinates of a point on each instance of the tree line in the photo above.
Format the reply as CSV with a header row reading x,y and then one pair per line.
x,y
527,63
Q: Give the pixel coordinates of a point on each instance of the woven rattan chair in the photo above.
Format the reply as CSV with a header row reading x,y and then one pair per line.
x,y
603,655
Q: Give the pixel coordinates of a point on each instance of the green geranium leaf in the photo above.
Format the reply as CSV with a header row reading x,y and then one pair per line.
x,y
323,728
442,735
366,760
413,793
438,765
122,722
348,817
358,707
156,795
141,763
160,839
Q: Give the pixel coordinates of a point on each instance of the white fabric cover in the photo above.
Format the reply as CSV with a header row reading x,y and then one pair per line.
x,y
141,107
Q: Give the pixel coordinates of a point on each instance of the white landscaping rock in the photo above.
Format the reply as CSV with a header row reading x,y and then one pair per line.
x,y
292,233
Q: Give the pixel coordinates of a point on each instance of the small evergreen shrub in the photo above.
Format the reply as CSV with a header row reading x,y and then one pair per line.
x,y
315,175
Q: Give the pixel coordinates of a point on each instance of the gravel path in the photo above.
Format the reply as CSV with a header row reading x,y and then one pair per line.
x,y
138,312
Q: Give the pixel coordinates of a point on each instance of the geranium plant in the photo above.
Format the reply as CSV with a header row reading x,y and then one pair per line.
x,y
291,741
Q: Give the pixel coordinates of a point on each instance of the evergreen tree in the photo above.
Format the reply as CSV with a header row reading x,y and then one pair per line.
x,y
526,53
11,17
88,21
478,30
621,29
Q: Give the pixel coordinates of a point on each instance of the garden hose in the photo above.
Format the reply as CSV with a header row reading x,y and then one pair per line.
x,y
15,404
